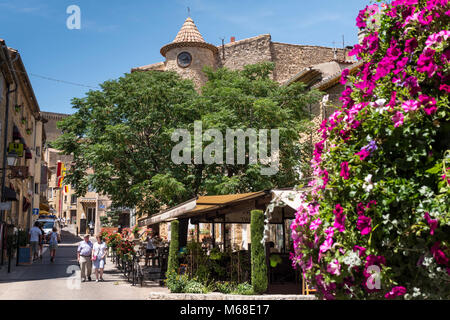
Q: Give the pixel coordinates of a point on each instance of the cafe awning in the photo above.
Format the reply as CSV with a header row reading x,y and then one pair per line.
x,y
169,213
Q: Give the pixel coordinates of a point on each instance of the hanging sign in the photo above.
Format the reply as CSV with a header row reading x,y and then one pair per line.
x,y
17,148
5,205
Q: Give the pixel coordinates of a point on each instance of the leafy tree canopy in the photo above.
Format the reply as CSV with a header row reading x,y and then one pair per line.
x,y
120,136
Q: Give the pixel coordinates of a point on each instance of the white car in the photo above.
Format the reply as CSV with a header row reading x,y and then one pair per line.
x,y
47,226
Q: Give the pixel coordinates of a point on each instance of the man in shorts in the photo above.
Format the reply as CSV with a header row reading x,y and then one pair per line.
x,y
35,239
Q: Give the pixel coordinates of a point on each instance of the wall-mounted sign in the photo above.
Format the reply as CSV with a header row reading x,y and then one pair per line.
x,y
17,148
35,211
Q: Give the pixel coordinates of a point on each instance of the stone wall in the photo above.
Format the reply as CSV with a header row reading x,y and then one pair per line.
x,y
51,129
201,57
290,58
244,52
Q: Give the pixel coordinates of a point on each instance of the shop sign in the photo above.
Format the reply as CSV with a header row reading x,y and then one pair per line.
x,y
17,148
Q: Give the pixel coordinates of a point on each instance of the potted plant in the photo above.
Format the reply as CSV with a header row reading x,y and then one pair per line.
x,y
24,120
17,108
29,131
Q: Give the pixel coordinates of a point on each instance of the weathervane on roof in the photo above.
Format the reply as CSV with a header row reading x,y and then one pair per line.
x,y
189,11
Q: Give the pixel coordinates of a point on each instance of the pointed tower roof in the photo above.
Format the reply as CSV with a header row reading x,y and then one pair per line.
x,y
189,32
188,36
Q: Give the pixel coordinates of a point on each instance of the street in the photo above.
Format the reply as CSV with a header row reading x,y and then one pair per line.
x,y
60,280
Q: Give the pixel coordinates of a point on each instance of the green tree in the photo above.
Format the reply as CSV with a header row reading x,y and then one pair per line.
x,y
258,257
122,134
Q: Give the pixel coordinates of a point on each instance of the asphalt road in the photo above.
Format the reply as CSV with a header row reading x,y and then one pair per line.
x,y
60,280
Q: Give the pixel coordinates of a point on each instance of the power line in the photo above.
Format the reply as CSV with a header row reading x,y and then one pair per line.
x,y
58,80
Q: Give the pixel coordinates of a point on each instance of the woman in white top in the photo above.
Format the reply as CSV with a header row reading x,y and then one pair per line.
x,y
99,257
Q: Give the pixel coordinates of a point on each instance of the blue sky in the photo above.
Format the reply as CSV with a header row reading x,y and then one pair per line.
x,y
118,35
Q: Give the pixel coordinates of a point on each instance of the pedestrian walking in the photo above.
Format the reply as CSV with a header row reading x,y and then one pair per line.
x,y
99,257
84,256
35,238
41,243
150,250
53,243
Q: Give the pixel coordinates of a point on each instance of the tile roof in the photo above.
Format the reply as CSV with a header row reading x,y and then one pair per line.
x,y
188,33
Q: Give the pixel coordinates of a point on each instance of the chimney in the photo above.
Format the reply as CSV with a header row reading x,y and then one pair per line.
x,y
232,39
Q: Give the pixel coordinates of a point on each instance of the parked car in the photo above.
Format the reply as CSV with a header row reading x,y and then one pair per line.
x,y
47,226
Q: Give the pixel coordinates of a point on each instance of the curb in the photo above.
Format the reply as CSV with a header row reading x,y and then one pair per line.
x,y
221,296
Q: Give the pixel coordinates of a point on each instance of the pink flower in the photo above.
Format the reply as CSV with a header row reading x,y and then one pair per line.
x,y
339,221
334,267
429,104
426,63
344,76
361,250
445,87
410,45
410,105
326,245
360,208
398,119
438,254
344,170
364,224
363,154
395,292
315,224
432,222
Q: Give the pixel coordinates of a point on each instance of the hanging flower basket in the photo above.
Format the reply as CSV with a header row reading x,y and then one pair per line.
x,y
24,120
29,131
17,108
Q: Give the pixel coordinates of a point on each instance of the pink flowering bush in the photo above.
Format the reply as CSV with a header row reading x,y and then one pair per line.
x,y
375,223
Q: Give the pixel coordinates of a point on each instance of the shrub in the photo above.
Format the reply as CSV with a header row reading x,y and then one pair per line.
x,y
380,198
225,287
174,247
176,283
194,286
258,257
244,289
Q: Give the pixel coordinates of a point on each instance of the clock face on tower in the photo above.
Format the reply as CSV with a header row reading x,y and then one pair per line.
x,y
184,59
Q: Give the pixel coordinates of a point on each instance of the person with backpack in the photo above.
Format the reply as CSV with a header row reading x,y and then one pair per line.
x,y
53,243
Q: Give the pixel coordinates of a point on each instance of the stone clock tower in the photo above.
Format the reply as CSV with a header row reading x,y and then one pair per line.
x,y
189,53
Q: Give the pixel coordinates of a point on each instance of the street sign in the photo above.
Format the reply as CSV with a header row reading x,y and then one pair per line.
x,y
36,211
5,205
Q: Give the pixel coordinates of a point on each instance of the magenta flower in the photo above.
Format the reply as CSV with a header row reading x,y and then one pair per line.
x,y
410,45
361,250
439,254
432,222
410,105
344,170
339,221
334,267
413,85
360,208
398,119
426,63
315,224
395,292
344,76
326,245
360,19
364,224
429,104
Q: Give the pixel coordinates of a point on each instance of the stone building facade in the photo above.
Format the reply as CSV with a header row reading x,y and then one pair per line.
x,y
22,126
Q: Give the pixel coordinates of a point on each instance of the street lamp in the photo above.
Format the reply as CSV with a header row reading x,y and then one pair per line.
x,y
11,158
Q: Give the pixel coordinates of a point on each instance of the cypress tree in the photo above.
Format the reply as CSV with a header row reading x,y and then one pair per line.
x,y
174,247
258,254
